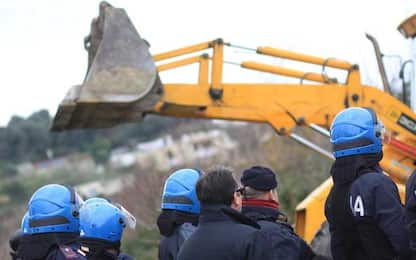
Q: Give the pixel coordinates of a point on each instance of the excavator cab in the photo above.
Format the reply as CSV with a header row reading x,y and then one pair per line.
x,y
398,75
121,82
408,29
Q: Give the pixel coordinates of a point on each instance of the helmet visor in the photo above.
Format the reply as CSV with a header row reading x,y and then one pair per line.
x,y
79,199
129,219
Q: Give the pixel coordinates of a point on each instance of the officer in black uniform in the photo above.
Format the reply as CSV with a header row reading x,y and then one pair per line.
x,y
180,212
260,203
53,225
410,212
363,208
223,232
101,228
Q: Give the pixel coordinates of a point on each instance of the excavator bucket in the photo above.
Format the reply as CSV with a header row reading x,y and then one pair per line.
x,y
121,83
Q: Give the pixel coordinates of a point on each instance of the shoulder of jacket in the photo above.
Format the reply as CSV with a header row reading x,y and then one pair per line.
x,y
411,182
286,226
372,179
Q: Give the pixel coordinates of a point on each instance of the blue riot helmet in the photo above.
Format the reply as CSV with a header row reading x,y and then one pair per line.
x,y
25,223
356,131
100,219
54,208
96,200
179,191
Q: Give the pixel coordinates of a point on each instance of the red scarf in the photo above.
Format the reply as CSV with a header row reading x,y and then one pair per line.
x,y
261,203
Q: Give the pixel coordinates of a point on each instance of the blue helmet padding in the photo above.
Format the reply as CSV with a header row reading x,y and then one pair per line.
x,y
179,192
54,208
101,220
24,226
356,131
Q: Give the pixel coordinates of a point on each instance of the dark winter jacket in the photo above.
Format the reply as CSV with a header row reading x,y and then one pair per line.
x,y
364,212
224,233
99,249
175,227
410,212
49,246
286,244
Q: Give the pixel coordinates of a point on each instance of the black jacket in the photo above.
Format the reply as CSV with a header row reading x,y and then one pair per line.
x,y
224,233
286,244
410,212
170,246
99,249
364,212
49,246
175,227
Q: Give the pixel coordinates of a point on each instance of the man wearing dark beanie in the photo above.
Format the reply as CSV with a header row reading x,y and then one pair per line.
x,y
260,203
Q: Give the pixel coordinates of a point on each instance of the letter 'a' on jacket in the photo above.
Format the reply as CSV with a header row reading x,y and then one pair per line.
x,y
179,191
356,130
54,208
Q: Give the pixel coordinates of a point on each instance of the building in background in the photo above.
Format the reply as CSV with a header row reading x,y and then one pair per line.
x,y
81,163
165,152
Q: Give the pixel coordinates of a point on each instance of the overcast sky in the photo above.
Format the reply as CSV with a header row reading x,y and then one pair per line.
x,y
42,55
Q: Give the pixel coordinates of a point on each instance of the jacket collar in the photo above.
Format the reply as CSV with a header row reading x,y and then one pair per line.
x,y
169,220
221,212
38,246
257,213
347,169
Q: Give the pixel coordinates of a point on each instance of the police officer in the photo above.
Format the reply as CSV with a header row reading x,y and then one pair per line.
x,y
363,208
101,229
180,212
260,203
53,220
223,232
410,212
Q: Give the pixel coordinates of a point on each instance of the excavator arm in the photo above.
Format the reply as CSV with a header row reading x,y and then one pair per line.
x,y
123,84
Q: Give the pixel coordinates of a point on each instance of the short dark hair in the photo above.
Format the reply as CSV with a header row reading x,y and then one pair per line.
x,y
250,193
217,186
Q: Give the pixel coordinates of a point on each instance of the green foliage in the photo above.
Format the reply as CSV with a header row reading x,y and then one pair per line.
x,y
20,189
15,190
299,177
29,139
143,245
25,139
7,169
100,150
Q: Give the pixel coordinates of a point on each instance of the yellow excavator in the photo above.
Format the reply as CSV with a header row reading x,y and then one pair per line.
x,y
124,83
